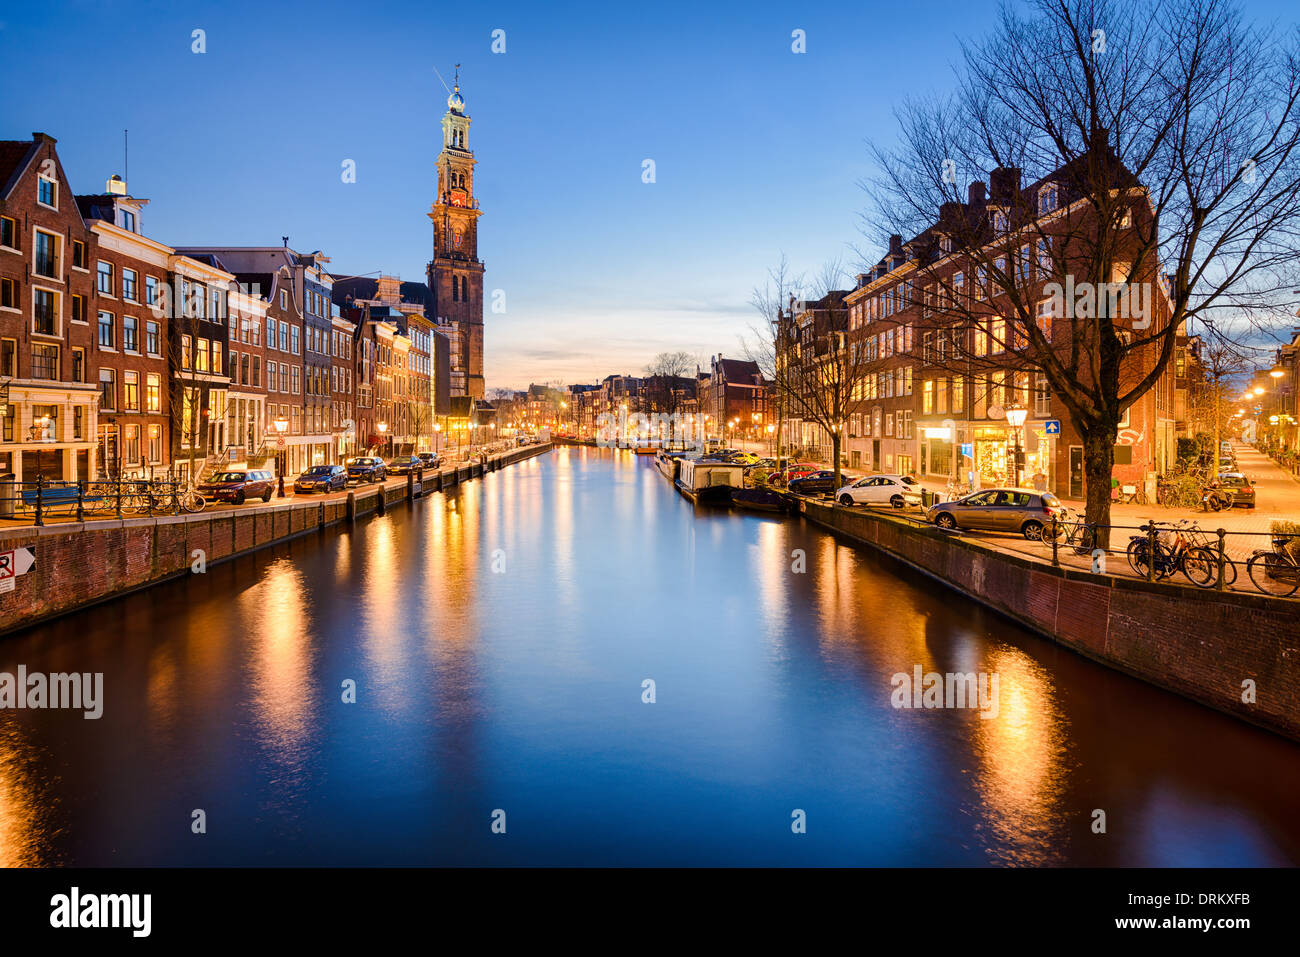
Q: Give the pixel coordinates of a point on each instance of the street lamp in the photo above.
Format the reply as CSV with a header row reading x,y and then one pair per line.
x,y
1016,415
281,427
383,433
437,430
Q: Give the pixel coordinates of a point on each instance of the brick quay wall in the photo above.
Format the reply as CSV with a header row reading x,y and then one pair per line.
x,y
82,564
1199,643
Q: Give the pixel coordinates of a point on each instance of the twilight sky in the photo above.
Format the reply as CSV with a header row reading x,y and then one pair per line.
x,y
758,150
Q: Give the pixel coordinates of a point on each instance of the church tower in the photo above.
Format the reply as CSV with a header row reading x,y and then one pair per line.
x,y
456,273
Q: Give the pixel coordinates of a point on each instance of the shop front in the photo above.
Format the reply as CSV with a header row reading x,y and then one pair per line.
x,y
992,456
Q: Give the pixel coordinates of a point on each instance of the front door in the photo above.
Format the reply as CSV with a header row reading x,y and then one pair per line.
x,y
1076,471
875,454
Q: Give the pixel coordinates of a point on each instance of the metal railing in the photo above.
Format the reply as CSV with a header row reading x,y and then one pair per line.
x,y
42,499
1170,552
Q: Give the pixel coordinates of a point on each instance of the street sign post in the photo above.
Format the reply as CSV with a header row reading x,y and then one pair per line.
x,y
14,562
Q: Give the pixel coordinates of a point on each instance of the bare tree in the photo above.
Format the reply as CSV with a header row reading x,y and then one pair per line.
x,y
664,375
818,366
1165,144
780,287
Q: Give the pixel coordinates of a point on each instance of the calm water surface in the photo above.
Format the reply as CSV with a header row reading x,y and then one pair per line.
x,y
520,689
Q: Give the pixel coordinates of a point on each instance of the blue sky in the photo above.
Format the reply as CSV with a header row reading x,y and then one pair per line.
x,y
758,150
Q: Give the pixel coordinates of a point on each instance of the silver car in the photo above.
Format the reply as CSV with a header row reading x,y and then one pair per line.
x,y
1021,510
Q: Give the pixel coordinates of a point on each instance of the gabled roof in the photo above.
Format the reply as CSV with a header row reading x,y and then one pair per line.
x,y
15,157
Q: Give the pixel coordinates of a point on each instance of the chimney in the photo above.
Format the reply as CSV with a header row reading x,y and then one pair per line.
x,y
1004,184
975,194
895,245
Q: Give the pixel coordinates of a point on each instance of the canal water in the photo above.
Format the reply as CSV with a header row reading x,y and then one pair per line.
x,y
500,637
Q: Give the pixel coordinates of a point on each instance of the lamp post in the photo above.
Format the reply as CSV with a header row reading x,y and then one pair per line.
x,y
1016,419
771,431
437,432
281,427
383,435
1276,374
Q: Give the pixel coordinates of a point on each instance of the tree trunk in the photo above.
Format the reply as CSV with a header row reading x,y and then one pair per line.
x,y
1098,463
836,439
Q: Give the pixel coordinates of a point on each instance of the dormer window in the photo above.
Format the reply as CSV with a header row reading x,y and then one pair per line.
x,y
945,244
128,220
1047,199
999,221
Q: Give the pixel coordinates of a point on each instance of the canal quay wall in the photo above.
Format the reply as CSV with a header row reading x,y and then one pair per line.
x,y
1201,644
82,564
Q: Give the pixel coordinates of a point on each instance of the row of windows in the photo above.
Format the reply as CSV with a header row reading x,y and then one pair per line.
x,y
130,396
947,394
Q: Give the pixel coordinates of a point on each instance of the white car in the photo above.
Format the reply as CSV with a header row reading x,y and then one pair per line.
x,y
895,490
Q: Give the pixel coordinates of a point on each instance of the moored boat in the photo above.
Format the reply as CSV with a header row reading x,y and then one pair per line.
x,y
706,481
759,499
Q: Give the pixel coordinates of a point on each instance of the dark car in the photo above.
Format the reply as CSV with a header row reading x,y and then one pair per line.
x,y
1022,510
430,460
821,482
239,486
322,478
366,468
1243,492
404,464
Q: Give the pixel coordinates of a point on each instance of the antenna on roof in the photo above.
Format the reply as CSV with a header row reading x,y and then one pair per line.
x,y
126,156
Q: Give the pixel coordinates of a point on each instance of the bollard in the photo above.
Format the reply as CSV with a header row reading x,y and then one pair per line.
x,y
81,500
117,509
1222,563
379,500
1151,550
410,486
40,504
419,482
352,508
1056,555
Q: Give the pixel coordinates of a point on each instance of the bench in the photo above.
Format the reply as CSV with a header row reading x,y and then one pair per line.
x,y
58,496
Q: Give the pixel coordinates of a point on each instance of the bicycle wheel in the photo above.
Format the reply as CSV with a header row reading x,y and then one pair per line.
x,y
1136,554
1273,575
193,502
1199,566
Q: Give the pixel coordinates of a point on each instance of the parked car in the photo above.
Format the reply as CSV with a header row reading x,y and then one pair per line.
x,y
322,478
793,472
896,490
239,486
366,468
430,460
1243,490
821,482
1021,510
403,464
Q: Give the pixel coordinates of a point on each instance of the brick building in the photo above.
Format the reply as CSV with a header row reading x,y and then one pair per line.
x,y
48,399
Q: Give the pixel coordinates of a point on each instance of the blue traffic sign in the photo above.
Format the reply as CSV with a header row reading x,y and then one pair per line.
x,y
1052,427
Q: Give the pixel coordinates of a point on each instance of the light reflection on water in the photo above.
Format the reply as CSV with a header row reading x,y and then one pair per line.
x,y
499,635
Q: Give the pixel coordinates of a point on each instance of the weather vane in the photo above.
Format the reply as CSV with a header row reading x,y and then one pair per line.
x,y
457,80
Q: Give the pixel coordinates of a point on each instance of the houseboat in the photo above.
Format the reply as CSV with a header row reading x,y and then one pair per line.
x,y
708,481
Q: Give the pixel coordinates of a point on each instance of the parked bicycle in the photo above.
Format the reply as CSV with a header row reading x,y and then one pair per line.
x,y
1071,529
1276,572
1175,551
